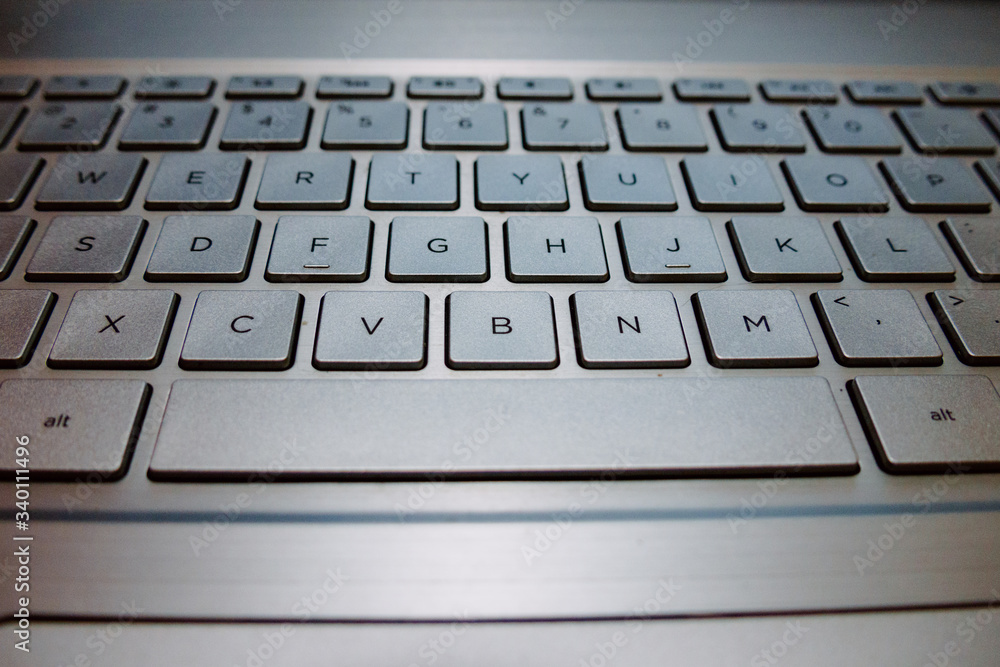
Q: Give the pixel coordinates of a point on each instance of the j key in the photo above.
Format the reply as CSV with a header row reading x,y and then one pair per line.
x,y
774,249
24,315
945,131
670,249
660,127
971,318
366,125
83,87
114,329
712,90
259,87
168,126
990,171
834,184
242,330
921,424
628,329
213,248
372,331
266,125
17,173
306,181
409,181
894,249
876,328
353,86
16,87
553,249
754,329
174,87
14,233
935,185
500,330
755,127
852,130
98,248
563,126
465,126
520,88
10,115
467,87
102,182
520,183
320,248
812,92
198,182
966,93
884,92
609,90
731,184
977,244
438,249
62,126
626,183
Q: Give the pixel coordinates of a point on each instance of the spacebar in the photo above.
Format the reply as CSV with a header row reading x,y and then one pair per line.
x,y
500,429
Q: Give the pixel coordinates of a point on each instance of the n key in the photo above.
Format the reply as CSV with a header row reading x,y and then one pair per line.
x,y
92,182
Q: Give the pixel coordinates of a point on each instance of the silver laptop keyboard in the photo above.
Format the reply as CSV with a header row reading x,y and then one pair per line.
x,y
371,278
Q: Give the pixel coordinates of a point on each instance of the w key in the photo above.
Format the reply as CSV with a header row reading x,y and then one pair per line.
x,y
92,182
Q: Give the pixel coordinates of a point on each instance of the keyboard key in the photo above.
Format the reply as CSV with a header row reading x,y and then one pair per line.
x,y
945,131
712,90
83,87
894,249
520,183
10,115
852,130
242,330
366,125
990,171
778,249
426,249
215,248
93,248
261,87
626,183
353,86
168,126
16,86
468,87
992,118
198,182
24,315
754,329
920,424
670,249
521,88
266,126
17,173
306,181
463,126
809,91
500,330
975,241
609,90
876,328
628,329
372,331
660,127
730,429
554,249
70,125
971,318
114,329
101,182
14,233
935,185
717,183
563,126
320,248
174,87
823,183
412,181
75,426
755,127
966,92
884,92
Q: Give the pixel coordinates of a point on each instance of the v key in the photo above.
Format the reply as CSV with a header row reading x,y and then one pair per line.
x,y
369,329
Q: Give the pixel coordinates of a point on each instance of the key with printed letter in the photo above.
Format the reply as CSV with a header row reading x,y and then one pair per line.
x,y
731,184
91,182
894,249
670,249
198,182
774,249
95,248
935,185
438,249
626,183
520,183
412,181
550,249
320,248
306,181
834,184
372,331
203,247
500,330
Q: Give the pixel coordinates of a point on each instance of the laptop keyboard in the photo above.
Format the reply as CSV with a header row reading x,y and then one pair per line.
x,y
378,278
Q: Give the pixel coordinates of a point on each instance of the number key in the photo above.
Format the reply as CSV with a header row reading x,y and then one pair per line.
x,y
60,126
266,125
660,127
168,125
852,130
565,126
366,125
754,127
